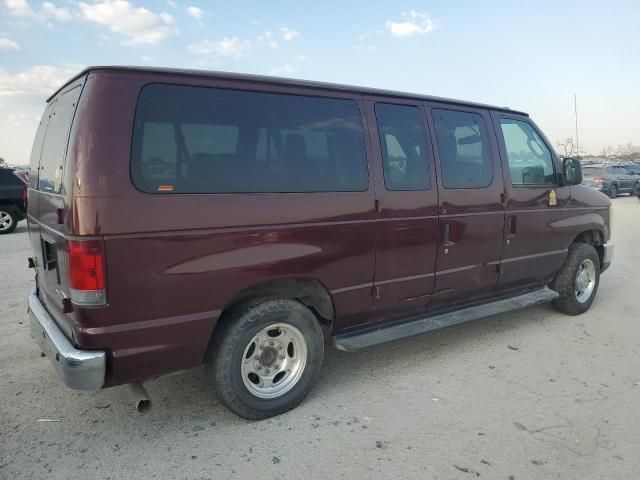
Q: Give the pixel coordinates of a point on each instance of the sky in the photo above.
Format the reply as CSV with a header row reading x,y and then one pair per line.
x,y
527,55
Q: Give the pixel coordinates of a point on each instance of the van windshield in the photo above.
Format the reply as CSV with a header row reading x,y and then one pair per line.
x,y
209,140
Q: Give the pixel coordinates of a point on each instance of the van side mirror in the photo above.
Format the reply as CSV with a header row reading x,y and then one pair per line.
x,y
572,171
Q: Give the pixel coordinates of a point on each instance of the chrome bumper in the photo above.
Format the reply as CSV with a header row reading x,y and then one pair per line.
x,y
79,369
607,256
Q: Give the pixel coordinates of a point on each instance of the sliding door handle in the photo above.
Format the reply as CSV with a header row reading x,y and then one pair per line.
x,y
511,226
447,242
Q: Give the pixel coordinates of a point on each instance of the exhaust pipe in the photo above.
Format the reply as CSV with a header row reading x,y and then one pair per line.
x,y
140,397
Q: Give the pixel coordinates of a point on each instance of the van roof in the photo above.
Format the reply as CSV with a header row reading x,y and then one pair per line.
x,y
282,81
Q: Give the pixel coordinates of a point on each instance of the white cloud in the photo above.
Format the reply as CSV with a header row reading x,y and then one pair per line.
x,y
22,119
61,14
302,58
286,69
414,24
19,8
137,24
289,34
195,12
37,80
227,47
267,37
6,44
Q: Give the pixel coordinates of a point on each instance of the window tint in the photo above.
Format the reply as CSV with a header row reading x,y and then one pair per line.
x,y
208,140
530,161
463,147
403,141
56,137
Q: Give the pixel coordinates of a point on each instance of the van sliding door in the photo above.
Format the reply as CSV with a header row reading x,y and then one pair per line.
x,y
471,212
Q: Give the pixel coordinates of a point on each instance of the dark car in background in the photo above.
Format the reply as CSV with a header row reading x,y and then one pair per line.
x,y
13,200
610,179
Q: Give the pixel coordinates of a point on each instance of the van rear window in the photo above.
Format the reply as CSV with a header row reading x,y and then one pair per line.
x,y
56,137
209,140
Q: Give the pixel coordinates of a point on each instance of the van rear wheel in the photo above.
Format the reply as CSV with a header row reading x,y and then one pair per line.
x,y
265,357
578,279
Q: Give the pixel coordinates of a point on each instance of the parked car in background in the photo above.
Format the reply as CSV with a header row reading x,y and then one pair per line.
x,y
13,200
239,221
610,179
633,167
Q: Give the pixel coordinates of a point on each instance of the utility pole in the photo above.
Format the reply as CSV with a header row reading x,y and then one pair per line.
x,y
575,110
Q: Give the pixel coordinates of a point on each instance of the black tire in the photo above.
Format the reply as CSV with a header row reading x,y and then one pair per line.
x,y
565,281
10,214
613,190
232,335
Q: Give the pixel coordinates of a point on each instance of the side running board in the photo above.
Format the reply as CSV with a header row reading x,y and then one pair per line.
x,y
370,337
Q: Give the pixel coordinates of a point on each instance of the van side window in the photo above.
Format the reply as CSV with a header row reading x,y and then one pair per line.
x,y
530,161
56,137
463,148
403,141
209,140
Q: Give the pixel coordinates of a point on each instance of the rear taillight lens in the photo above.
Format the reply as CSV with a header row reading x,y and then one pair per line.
x,y
86,272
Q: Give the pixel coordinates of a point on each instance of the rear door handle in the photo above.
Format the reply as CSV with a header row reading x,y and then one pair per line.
x,y
447,242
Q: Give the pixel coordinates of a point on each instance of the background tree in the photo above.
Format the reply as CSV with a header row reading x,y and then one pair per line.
x,y
565,148
607,151
628,151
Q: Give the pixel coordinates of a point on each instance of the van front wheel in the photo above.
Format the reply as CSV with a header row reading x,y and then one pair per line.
x,y
578,279
265,357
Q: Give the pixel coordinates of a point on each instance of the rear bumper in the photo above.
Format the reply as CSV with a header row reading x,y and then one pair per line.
x,y
607,255
79,369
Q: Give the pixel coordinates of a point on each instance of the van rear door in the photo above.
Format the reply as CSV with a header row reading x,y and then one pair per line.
x,y
407,209
49,197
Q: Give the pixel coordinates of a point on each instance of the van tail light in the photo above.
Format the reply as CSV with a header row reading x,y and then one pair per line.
x,y
598,180
86,272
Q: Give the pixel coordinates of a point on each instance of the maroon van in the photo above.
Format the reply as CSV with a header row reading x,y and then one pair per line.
x,y
184,217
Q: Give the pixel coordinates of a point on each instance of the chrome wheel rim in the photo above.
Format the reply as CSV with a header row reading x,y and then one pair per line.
x,y
274,360
585,280
5,221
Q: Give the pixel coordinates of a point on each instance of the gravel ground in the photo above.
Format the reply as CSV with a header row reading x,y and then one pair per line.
x,y
527,395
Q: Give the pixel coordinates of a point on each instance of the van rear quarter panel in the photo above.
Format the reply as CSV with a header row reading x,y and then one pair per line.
x,y
175,260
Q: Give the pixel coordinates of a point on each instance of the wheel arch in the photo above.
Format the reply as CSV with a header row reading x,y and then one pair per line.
x,y
309,291
592,237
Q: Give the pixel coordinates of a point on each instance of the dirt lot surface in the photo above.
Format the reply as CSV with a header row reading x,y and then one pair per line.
x,y
527,395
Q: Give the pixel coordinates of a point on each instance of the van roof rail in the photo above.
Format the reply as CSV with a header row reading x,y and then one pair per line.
x,y
283,81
